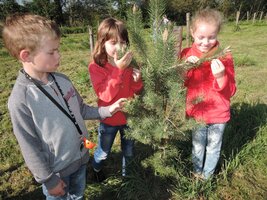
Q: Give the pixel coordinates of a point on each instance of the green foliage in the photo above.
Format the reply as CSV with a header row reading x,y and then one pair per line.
x,y
135,29
245,148
156,12
77,40
244,60
8,7
71,30
83,77
236,28
44,8
90,12
134,183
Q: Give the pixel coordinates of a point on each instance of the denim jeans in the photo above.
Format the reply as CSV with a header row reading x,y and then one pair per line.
x,y
207,142
106,136
75,182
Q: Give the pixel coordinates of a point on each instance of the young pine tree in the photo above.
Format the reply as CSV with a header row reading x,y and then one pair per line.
x,y
157,115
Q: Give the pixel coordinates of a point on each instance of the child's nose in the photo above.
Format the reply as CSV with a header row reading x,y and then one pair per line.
x,y
206,41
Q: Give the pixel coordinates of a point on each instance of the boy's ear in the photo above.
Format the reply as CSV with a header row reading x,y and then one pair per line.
x,y
24,55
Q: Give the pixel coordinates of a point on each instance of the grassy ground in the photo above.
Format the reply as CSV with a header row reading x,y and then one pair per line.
x,y
242,170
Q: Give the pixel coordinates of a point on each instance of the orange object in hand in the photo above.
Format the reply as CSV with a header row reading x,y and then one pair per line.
x,y
88,144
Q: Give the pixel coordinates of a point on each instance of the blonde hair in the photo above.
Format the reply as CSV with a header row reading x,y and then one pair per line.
x,y
207,15
109,28
25,31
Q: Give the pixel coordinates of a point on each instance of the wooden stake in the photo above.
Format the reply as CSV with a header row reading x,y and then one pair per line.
x,y
254,17
188,29
178,34
237,17
91,38
261,16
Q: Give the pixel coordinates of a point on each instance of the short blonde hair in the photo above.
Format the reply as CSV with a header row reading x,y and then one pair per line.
x,y
207,15
25,31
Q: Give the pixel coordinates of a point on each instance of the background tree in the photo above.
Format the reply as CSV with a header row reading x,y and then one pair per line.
x,y
41,7
58,16
177,9
229,8
207,3
9,6
90,12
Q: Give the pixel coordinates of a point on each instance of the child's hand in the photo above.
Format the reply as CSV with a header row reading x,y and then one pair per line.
x,y
217,68
58,190
192,59
117,106
136,74
125,61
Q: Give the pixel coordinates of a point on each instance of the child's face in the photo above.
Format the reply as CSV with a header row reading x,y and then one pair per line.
x,y
205,36
112,45
47,57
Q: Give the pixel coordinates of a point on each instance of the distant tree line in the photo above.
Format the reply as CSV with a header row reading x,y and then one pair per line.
x,y
90,12
177,9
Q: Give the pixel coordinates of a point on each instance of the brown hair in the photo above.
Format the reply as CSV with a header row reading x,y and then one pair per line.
x,y
108,29
26,31
207,15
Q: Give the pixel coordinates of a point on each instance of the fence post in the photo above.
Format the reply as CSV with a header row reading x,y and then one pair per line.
x,y
254,17
247,16
178,35
187,29
237,17
91,38
261,16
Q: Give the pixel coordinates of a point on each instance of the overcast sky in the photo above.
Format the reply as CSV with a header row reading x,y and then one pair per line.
x,y
20,1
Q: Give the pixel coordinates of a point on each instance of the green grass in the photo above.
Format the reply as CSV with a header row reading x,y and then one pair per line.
x,y
161,173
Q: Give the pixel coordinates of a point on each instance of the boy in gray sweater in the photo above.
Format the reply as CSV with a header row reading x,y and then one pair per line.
x,y
47,112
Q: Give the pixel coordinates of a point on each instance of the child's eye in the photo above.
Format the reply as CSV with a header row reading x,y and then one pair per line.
x,y
53,52
113,42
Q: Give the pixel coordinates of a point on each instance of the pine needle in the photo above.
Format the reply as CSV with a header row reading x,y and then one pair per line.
x,y
218,54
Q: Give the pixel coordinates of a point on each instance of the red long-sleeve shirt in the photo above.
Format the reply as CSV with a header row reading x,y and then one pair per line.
x,y
110,84
205,100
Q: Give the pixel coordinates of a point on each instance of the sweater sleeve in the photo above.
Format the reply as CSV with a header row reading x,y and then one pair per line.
x,y
183,55
106,85
90,112
30,144
228,88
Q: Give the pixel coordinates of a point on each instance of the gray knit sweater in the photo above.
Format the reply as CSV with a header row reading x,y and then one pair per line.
x,y
49,141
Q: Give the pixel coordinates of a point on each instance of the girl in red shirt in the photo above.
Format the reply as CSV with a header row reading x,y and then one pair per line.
x,y
112,78
209,88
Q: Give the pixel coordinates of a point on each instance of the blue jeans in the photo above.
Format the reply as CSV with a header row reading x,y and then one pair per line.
x,y
106,136
75,186
207,142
